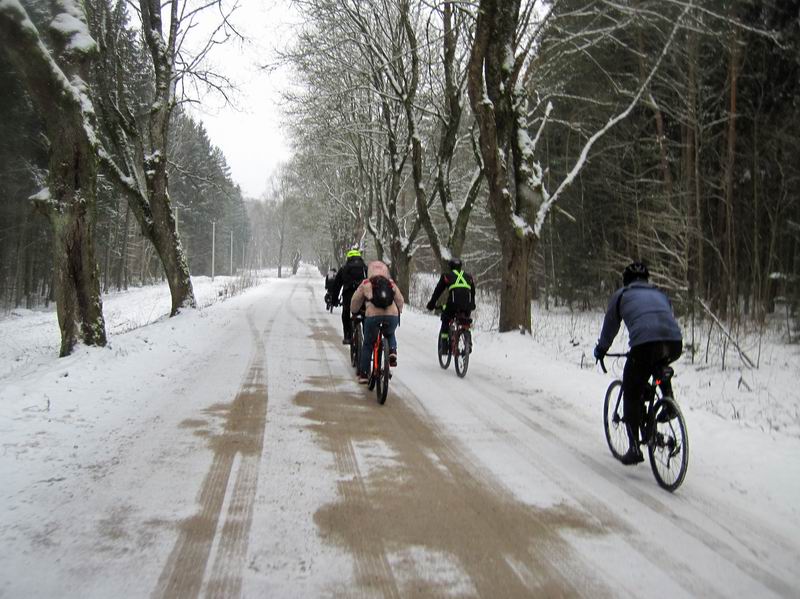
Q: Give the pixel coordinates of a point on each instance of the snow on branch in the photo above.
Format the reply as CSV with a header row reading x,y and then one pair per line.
x,y
579,164
71,25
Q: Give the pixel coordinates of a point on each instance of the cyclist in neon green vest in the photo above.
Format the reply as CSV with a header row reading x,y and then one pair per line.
x,y
347,280
460,297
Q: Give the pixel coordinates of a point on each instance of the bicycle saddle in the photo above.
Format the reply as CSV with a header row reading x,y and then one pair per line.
x,y
663,373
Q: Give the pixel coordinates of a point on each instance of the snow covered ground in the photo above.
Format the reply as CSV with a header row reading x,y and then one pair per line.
x,y
228,451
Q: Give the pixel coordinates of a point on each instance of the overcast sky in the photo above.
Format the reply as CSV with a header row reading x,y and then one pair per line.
x,y
251,137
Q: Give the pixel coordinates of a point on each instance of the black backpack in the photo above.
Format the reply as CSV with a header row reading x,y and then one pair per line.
x,y
354,272
382,292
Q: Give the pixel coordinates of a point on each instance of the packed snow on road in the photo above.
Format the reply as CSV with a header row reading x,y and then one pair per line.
x,y
229,451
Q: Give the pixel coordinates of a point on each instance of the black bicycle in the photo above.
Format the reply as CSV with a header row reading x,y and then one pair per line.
x,y
380,371
356,339
458,346
663,427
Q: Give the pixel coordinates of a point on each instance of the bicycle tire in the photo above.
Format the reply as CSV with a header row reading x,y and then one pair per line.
x,y
358,335
463,347
373,373
384,373
668,445
444,359
613,421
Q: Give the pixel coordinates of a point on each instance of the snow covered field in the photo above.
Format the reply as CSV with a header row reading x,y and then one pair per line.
x,y
229,451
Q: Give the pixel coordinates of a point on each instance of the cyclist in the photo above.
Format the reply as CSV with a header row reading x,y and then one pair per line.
x,y
330,278
655,339
347,280
384,304
460,298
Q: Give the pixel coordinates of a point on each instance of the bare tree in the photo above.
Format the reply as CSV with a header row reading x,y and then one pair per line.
x,y
500,65
137,148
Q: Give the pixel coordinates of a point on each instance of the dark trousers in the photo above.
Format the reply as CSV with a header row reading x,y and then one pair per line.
x,y
449,314
347,324
643,359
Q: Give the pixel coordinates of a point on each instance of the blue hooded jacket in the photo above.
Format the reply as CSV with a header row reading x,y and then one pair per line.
x,y
647,314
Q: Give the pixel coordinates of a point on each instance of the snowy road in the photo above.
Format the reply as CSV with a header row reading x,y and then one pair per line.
x,y
230,453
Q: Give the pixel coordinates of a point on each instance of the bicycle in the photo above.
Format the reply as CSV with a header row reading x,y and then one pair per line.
x,y
356,339
459,344
381,369
663,428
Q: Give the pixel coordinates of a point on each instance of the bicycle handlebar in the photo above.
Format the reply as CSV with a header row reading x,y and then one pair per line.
x,y
603,364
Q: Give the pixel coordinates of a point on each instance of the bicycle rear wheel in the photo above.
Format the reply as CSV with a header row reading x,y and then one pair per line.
x,y
444,358
383,375
356,347
668,446
463,347
374,359
613,422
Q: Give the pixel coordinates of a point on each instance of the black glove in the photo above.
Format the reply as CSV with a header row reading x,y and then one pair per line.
x,y
431,305
328,298
599,352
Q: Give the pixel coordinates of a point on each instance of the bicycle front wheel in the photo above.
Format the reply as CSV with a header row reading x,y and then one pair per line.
x,y
668,445
613,422
384,373
463,347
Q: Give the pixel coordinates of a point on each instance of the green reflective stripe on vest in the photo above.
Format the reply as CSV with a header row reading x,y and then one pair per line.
x,y
460,282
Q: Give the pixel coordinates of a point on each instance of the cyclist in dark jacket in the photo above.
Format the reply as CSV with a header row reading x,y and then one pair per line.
x,y
460,298
655,339
347,280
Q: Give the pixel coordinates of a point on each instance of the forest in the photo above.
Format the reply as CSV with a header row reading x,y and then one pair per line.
x,y
547,143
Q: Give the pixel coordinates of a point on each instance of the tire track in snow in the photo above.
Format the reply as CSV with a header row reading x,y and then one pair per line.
x,y
697,528
371,562
241,443
427,502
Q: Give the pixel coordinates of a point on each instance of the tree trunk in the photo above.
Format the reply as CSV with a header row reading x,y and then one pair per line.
x,y
69,203
401,267
163,232
729,295
77,283
500,112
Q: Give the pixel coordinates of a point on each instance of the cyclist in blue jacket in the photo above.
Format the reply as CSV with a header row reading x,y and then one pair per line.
x,y
655,339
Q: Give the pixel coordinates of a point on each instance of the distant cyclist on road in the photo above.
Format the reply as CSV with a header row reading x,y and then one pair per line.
x,y
330,280
655,339
460,297
347,280
384,303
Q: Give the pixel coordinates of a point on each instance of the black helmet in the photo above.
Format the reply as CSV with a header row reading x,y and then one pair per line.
x,y
634,272
454,264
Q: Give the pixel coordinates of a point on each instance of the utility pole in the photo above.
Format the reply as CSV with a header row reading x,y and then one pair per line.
x,y
213,246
